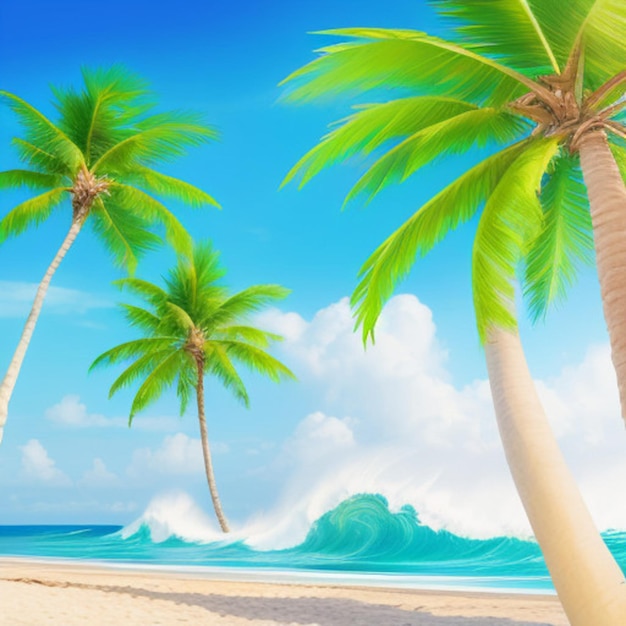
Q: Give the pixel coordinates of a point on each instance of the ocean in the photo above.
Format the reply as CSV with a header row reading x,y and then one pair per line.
x,y
358,542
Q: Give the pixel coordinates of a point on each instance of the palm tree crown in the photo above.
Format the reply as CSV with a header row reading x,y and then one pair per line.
x,y
528,76
193,322
101,153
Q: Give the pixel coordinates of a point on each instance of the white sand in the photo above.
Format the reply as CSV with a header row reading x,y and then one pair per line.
x,y
36,594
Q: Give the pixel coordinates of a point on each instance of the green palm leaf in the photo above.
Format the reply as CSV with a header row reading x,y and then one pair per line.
x,y
159,184
151,211
372,126
603,33
40,159
218,364
161,376
407,60
44,134
453,136
27,178
131,349
125,235
256,359
100,115
565,240
512,215
507,30
159,138
32,211
450,208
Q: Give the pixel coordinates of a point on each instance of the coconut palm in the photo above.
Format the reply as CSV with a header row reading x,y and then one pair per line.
x,y
193,328
547,88
98,158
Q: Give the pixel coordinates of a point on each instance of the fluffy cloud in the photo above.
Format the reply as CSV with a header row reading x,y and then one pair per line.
x,y
71,412
417,438
16,298
178,454
98,475
38,466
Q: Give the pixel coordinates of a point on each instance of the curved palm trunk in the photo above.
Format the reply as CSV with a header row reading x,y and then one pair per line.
x,y
607,198
10,378
208,464
589,583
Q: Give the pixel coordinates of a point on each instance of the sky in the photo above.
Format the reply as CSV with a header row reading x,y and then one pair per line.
x,y
410,418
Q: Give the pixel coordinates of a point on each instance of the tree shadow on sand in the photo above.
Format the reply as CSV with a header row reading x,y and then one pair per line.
x,y
305,610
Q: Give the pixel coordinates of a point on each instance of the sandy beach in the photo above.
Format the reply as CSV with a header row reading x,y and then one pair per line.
x,y
38,594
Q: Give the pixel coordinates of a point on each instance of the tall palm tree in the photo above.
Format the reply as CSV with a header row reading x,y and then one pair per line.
x,y
473,93
510,68
193,328
99,154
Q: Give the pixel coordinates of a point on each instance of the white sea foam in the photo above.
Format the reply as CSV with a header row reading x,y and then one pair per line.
x,y
175,514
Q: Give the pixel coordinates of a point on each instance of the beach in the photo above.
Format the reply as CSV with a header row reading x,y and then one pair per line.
x,y
41,593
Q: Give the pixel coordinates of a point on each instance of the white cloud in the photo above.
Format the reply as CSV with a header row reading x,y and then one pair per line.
x,y
71,412
418,439
178,454
38,466
98,475
16,299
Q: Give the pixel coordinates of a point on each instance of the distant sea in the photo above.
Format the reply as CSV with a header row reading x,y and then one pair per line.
x,y
359,542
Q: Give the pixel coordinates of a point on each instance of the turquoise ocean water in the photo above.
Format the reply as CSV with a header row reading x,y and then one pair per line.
x,y
359,541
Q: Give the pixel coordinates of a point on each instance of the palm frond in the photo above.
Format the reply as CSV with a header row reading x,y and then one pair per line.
x,y
246,302
133,349
162,376
408,60
565,241
32,211
40,159
41,132
159,184
103,112
372,126
256,359
146,290
153,212
452,136
507,30
560,27
249,334
125,235
142,318
142,366
511,217
27,178
186,383
450,208
603,33
218,364
159,138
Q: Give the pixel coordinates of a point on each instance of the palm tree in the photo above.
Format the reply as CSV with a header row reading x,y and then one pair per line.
x,y
474,92
100,153
510,68
192,328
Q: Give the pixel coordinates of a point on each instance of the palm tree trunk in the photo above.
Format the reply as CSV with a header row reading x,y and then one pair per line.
x,y
10,378
607,198
208,464
589,583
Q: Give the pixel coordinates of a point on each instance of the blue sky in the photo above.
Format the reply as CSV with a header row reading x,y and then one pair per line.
x,y
67,457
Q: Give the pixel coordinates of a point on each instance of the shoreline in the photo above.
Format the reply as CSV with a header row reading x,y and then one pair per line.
x,y
51,592
307,577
